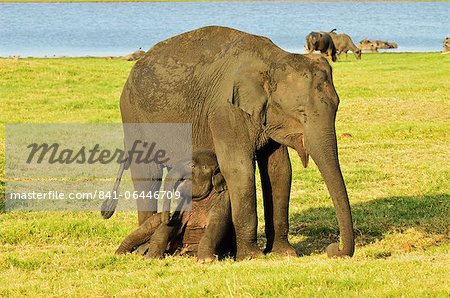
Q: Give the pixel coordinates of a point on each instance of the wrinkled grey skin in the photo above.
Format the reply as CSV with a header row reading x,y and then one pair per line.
x,y
446,47
374,45
321,41
245,98
344,43
136,55
207,182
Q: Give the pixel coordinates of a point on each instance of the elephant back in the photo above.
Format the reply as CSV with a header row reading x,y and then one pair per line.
x,y
204,46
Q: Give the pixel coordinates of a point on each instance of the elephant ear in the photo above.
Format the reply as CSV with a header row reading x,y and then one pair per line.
x,y
218,182
251,94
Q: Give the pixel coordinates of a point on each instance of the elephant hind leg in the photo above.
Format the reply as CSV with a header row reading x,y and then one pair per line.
x,y
140,235
276,175
146,179
159,241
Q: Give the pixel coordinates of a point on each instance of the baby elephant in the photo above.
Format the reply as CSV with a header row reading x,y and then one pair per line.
x,y
200,231
321,41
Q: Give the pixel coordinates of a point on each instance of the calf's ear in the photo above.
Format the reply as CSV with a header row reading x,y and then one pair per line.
x,y
218,182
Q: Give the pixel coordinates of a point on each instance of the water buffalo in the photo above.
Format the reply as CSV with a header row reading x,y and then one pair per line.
x,y
374,45
136,55
321,41
344,43
446,48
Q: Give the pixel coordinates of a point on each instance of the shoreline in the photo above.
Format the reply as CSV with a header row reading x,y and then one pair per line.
x,y
120,57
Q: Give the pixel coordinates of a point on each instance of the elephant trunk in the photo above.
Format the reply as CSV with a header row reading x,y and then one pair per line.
x,y
175,181
169,186
323,150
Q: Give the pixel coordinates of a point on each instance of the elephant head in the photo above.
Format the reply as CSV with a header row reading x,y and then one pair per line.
x,y
295,102
195,179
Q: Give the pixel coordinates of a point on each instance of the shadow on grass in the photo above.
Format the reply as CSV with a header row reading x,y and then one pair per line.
x,y
429,214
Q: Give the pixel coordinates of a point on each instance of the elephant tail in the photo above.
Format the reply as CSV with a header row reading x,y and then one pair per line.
x,y
109,205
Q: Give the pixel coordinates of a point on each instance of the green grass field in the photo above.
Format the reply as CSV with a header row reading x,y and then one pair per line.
x,y
68,1
393,130
74,1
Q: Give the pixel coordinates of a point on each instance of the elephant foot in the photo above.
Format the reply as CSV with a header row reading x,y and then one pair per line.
x,y
153,255
248,252
283,249
121,251
205,253
142,249
154,251
206,259
333,251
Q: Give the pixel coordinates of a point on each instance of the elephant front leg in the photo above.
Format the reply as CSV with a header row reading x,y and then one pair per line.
x,y
235,148
276,175
241,186
218,225
238,169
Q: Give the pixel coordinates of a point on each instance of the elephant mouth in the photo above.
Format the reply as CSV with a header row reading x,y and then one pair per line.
x,y
186,190
302,152
297,142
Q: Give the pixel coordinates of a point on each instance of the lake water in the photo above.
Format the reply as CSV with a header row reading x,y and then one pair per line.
x,y
100,29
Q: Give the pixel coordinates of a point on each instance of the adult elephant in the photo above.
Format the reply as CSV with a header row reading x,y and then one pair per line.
x,y
247,99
